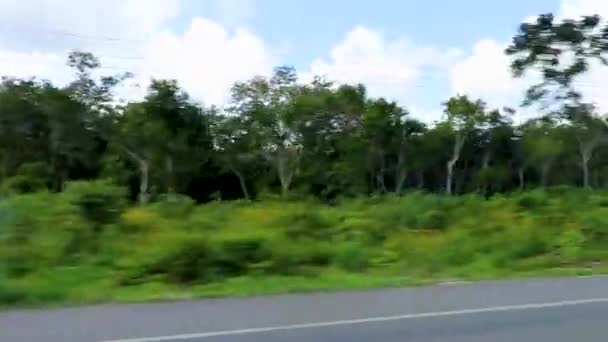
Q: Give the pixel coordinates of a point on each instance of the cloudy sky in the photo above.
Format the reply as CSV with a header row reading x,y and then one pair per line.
x,y
417,52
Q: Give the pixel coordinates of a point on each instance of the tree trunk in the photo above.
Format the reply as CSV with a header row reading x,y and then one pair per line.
x,y
143,182
585,165
522,182
450,164
242,182
400,181
284,175
381,186
485,162
449,176
544,173
400,173
286,168
586,150
170,177
420,176
144,175
4,169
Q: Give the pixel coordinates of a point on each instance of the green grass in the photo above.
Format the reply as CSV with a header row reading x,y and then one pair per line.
x,y
66,288
54,251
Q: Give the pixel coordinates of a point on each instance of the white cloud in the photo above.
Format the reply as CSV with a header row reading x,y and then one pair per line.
x,y
485,74
578,8
206,58
388,68
485,71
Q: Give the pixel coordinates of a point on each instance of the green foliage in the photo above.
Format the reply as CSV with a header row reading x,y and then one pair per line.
x,y
100,201
334,181
30,177
352,257
570,244
177,243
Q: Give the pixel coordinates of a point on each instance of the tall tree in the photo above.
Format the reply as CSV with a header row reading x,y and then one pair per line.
x,y
561,51
263,103
543,144
463,116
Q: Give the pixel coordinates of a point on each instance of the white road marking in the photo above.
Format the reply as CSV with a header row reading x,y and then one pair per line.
x,y
362,321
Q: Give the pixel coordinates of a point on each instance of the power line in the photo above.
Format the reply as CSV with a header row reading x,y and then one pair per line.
x,y
89,37
67,33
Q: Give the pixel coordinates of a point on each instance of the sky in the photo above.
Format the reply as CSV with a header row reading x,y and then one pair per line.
x,y
418,53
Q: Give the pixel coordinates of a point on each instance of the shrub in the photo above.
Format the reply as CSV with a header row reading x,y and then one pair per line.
x,y
12,296
307,223
532,200
139,218
570,244
594,224
184,260
175,206
30,177
352,257
288,258
100,201
42,232
238,255
433,219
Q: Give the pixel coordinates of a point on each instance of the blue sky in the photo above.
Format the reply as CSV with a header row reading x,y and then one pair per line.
x,y
312,27
308,30
416,52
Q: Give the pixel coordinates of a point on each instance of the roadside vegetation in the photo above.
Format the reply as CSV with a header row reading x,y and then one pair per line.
x,y
86,245
297,185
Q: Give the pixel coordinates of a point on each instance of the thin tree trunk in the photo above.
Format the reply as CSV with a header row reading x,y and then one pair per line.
x,y
450,176
522,182
242,182
586,150
144,182
144,175
420,176
286,168
170,176
4,169
380,183
400,181
284,175
450,164
544,173
485,163
400,173
585,165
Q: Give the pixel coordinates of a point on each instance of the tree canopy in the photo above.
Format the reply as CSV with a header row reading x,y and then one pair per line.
x,y
281,135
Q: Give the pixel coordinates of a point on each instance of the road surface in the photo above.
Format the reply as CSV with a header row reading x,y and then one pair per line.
x,y
563,309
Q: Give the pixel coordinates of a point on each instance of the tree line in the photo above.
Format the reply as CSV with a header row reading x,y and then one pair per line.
x,y
322,139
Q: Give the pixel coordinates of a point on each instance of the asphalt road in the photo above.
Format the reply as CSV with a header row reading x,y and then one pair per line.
x,y
565,309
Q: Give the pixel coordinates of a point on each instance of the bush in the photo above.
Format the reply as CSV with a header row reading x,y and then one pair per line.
x,y
433,219
236,256
594,224
532,200
301,258
11,296
30,177
185,260
42,232
179,244
352,257
570,245
176,206
307,223
100,201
